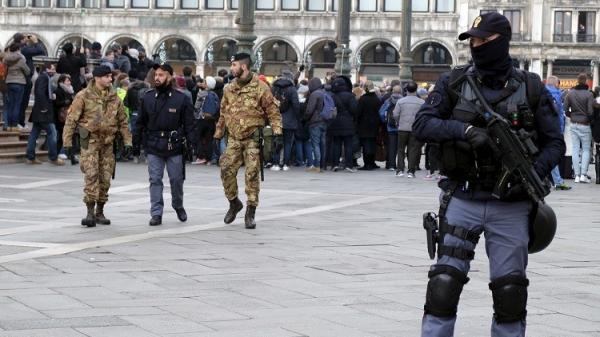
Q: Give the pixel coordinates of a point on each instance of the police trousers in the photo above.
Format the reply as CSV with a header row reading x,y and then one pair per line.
x,y
506,230
241,151
156,169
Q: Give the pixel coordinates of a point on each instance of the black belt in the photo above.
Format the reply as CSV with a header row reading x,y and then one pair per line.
x,y
160,134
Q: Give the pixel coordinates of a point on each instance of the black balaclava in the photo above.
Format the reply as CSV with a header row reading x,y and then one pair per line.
x,y
492,61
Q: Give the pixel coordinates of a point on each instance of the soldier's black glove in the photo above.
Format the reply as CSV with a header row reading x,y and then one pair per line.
x,y
278,142
301,68
477,137
127,151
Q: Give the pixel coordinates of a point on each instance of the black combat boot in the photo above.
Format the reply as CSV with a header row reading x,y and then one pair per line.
x,y
235,206
90,219
156,220
249,219
100,218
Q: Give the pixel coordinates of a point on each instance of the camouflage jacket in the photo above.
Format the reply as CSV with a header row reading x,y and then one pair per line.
x,y
102,115
243,109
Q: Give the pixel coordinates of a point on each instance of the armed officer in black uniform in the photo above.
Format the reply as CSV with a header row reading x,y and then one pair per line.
x,y
166,120
478,114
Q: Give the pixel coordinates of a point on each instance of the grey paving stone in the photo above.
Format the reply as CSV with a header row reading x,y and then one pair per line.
x,y
52,332
97,321
116,331
93,312
13,310
165,324
49,302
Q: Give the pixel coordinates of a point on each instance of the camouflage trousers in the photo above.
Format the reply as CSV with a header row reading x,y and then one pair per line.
x,y
97,163
238,152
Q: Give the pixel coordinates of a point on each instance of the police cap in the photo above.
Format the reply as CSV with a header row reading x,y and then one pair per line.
x,y
241,56
165,66
101,71
487,25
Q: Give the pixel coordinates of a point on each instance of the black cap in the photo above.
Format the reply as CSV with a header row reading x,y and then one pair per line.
x,y
241,56
165,66
101,71
487,25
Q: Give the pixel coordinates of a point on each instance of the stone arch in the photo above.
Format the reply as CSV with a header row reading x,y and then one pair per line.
x,y
195,48
368,42
316,41
279,38
71,37
41,39
213,40
449,48
115,38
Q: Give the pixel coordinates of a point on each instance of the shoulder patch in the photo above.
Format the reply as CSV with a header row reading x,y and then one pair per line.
x,y
434,99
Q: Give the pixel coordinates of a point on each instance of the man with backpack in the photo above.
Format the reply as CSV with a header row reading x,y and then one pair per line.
x,y
386,114
454,116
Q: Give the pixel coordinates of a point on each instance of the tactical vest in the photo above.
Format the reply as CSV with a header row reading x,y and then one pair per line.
x,y
480,168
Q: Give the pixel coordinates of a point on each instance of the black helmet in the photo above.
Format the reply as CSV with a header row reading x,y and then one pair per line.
x,y
542,227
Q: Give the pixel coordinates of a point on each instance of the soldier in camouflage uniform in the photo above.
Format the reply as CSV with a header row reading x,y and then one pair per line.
x,y
98,114
247,103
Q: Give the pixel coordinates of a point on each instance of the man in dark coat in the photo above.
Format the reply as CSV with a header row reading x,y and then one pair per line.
x,y
342,128
42,117
368,125
30,47
71,64
290,110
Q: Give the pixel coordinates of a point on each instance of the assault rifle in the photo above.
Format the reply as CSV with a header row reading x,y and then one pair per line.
x,y
515,149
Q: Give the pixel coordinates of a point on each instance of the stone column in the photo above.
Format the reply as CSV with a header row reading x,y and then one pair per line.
x,y
522,64
343,52
405,58
594,73
200,69
245,22
550,67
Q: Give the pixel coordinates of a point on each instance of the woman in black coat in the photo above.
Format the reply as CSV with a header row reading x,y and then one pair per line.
x,y
368,125
42,117
342,128
64,97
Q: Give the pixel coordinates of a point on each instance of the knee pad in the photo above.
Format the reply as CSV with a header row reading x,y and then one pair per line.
x,y
509,293
443,290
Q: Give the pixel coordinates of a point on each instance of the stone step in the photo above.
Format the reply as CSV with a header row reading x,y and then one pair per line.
x,y
13,147
20,157
6,136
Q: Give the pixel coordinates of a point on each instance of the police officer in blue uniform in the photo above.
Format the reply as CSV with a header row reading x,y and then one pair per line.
x,y
166,119
451,116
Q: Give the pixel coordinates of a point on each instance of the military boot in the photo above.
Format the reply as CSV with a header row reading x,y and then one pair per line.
x,y
249,218
90,219
100,218
235,206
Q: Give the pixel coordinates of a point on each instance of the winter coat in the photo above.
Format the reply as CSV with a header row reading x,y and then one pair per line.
x,y
123,63
135,92
557,95
347,108
29,51
406,110
368,115
71,65
301,132
63,100
43,110
17,68
314,104
393,99
578,104
290,116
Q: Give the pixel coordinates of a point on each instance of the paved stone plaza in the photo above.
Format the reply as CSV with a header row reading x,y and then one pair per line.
x,y
334,254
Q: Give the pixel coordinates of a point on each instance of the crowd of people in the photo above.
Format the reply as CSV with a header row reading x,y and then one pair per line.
x,y
327,125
